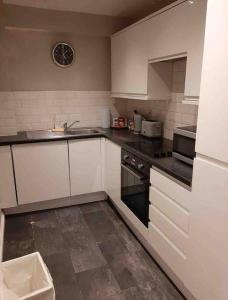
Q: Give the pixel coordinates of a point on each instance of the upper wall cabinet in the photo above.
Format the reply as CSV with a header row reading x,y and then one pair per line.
x,y
129,63
173,32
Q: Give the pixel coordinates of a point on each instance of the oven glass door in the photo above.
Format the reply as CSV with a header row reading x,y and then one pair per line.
x,y
135,193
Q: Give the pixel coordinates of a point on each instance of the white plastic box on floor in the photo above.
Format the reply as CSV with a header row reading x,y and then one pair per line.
x,y
26,278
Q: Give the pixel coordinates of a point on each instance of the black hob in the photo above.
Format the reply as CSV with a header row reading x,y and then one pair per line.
x,y
155,148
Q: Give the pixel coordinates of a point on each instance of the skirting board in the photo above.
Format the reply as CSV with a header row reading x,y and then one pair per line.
x,y
2,230
56,203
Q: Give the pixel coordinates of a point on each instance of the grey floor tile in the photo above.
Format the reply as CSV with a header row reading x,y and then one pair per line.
x,y
45,219
117,258
62,271
162,281
18,236
156,294
85,254
90,252
18,227
97,284
100,225
17,248
84,251
68,217
125,234
128,268
112,214
47,234
129,240
118,296
133,293
48,241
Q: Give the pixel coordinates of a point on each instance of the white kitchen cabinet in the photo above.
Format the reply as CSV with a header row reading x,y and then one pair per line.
x,y
173,32
7,185
212,128
208,237
42,171
113,170
129,64
85,159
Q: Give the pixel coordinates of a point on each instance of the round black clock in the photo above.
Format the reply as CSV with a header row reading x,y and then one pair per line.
x,y
63,54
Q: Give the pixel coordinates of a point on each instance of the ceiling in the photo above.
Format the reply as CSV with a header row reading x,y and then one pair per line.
x,y
122,8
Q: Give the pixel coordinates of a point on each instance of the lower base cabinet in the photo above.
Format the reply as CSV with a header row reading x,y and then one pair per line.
x,y
113,170
85,159
7,186
41,171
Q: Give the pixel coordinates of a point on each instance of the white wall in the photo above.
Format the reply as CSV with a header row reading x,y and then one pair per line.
x,y
33,90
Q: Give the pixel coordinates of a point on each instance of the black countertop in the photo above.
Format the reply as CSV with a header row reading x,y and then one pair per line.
x,y
140,146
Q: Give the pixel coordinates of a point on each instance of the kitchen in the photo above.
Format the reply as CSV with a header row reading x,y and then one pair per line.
x,y
113,174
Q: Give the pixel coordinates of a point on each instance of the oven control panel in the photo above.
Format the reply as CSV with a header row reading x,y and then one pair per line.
x,y
135,162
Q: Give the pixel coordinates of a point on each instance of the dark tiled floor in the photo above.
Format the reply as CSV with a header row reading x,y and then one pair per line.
x,y
90,253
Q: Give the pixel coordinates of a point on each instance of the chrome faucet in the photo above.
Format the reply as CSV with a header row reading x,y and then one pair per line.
x,y
66,127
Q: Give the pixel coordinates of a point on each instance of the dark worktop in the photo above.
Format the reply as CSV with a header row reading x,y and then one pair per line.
x,y
137,144
144,147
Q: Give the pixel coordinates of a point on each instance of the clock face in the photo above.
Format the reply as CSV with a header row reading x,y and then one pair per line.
x,y
63,54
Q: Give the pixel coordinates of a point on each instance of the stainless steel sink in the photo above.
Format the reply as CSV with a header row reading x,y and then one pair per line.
x,y
43,134
81,131
49,134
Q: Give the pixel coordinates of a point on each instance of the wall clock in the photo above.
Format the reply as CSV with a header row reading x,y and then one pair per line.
x,y
63,54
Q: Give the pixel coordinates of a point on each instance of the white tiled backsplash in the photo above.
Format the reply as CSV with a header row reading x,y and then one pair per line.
x,y
172,113
41,109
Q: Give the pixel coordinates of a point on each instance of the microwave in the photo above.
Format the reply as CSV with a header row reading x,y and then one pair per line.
x,y
184,139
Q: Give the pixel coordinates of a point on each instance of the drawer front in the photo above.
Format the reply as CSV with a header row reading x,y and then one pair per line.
x,y
171,255
170,188
172,210
178,237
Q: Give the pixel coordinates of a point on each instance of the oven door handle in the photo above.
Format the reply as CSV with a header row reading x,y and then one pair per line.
x,y
137,175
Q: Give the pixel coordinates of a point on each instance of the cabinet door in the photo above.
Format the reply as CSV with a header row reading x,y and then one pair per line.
x,y
212,130
85,166
208,236
113,170
42,171
7,186
129,62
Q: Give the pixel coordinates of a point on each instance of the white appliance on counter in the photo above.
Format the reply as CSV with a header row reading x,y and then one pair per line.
x,y
151,128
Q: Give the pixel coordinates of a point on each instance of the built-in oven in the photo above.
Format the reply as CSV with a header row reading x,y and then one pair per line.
x,y
184,139
135,182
